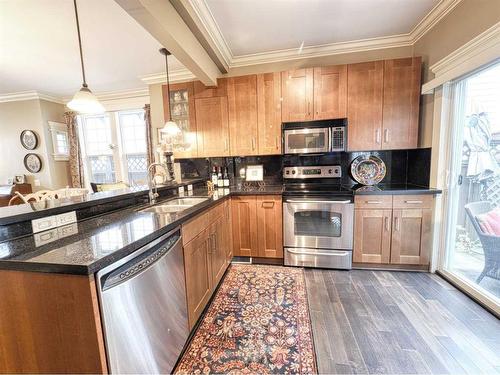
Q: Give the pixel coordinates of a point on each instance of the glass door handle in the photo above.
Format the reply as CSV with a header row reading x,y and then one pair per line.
x,y
460,180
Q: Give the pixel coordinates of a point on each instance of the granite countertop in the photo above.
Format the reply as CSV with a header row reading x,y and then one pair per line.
x,y
393,189
88,246
95,243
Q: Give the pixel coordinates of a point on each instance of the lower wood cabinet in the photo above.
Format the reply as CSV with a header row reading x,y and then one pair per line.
x,y
393,230
207,254
257,226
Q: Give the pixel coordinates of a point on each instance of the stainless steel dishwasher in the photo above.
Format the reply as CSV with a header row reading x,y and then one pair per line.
x,y
144,308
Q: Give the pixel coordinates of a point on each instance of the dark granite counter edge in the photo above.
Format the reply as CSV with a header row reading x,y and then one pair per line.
x,y
106,198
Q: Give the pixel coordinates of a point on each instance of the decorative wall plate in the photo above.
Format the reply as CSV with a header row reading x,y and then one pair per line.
x,y
33,163
368,169
29,139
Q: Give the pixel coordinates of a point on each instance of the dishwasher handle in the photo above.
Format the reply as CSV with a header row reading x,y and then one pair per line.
x,y
140,261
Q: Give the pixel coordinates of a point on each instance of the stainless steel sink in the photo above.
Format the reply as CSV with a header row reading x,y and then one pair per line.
x,y
175,205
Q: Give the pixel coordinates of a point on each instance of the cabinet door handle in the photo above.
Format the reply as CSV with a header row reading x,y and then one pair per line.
x,y
277,142
396,223
414,202
386,135
377,136
387,223
215,243
309,108
253,143
225,144
267,204
373,202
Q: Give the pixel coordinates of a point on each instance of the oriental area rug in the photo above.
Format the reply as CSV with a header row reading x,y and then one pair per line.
x,y
257,323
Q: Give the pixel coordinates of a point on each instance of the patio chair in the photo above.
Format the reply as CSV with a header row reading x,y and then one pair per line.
x,y
491,243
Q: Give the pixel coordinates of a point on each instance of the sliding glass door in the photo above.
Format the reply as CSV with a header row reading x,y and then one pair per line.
x,y
472,251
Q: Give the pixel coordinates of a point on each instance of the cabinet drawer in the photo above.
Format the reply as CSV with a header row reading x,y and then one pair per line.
x,y
215,213
373,201
412,201
194,227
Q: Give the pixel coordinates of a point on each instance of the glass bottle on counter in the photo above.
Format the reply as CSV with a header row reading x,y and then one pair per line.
x,y
214,176
226,177
220,181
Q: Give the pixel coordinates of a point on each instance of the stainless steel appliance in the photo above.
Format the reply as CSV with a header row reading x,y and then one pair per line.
x,y
315,136
144,308
318,218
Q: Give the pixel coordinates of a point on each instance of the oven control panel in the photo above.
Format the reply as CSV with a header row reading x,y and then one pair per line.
x,y
328,171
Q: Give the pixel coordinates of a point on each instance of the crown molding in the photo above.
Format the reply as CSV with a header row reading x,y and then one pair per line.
x,y
29,95
435,15
213,33
480,51
179,75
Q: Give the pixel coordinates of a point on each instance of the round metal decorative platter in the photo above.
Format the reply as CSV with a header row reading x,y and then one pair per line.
x,y
29,139
368,169
33,163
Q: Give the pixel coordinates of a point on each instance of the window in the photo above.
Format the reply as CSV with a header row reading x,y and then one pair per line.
x,y
60,143
115,147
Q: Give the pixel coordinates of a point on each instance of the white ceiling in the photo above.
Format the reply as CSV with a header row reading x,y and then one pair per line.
x,y
258,26
39,47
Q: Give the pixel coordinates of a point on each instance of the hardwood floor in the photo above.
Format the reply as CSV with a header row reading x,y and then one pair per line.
x,y
398,323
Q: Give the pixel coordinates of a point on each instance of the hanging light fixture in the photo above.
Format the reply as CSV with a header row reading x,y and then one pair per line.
x,y
84,101
171,128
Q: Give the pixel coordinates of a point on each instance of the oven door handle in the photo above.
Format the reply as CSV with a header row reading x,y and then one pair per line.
x,y
347,201
333,254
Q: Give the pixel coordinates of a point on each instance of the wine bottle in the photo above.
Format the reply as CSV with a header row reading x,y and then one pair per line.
x,y
214,176
220,181
226,177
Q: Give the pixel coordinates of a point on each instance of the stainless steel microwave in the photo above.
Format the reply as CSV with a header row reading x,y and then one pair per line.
x,y
315,137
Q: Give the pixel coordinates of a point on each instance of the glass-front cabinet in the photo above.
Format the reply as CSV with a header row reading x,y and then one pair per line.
x,y
183,113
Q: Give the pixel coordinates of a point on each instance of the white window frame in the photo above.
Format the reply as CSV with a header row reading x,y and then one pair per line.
x,y
58,128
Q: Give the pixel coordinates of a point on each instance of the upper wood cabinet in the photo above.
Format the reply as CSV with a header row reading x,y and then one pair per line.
x,y
364,105
401,103
213,127
184,114
269,113
202,91
242,105
269,226
297,90
330,92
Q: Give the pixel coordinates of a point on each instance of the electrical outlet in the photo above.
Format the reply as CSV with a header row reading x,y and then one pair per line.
x,y
43,223
66,218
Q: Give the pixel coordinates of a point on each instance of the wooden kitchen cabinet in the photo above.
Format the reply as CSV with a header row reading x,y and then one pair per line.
x,y
257,226
182,104
330,92
401,103
198,275
393,229
212,126
372,236
269,227
244,223
365,83
217,251
269,113
242,106
297,87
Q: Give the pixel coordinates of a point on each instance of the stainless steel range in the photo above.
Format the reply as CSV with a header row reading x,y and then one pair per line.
x,y
318,218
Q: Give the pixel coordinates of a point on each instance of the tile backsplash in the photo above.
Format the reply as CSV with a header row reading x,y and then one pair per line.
x,y
403,166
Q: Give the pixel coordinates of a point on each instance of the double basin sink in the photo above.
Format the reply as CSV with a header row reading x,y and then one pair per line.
x,y
175,205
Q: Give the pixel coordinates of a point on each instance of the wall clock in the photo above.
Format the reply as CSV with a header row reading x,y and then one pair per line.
x,y
33,163
29,139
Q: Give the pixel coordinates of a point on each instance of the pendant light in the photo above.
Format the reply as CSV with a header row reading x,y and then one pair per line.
x,y
84,101
170,128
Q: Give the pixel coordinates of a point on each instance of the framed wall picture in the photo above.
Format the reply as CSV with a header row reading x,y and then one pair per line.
x,y
33,163
29,139
19,179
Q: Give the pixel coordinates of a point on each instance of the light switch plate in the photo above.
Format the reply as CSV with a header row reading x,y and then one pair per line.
x,y
66,218
44,223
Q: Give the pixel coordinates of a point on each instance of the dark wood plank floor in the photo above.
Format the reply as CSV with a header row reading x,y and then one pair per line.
x,y
381,322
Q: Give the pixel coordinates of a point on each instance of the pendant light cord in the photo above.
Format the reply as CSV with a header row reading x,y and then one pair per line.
x,y
168,89
80,45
